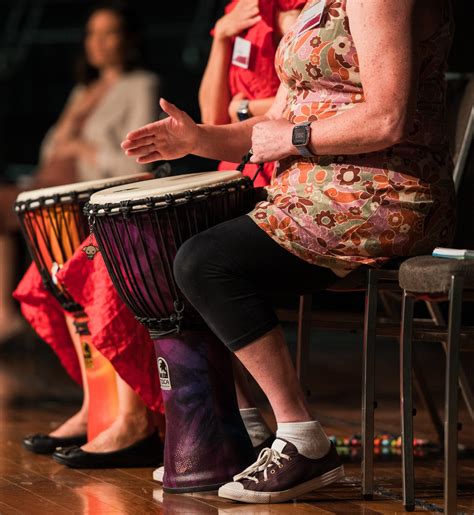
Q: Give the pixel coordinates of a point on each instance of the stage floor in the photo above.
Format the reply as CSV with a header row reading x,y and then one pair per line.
x,y
32,484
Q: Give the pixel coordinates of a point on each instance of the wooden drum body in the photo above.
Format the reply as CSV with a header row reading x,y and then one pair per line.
x,y
139,231
54,225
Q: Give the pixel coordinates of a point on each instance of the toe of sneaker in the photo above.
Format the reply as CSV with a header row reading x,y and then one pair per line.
x,y
158,474
231,490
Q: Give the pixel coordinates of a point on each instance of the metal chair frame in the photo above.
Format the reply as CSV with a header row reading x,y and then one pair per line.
x,y
454,335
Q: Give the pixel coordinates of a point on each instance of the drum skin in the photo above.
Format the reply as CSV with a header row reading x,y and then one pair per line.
x,y
206,442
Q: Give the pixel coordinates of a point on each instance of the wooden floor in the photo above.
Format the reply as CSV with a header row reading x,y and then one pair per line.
x,y
36,485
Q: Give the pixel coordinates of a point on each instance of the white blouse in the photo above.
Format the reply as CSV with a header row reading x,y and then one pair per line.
x,y
129,104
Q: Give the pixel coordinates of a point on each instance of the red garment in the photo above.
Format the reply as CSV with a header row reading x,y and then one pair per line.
x,y
260,79
45,315
114,331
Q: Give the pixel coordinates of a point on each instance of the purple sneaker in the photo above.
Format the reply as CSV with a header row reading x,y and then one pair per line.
x,y
281,473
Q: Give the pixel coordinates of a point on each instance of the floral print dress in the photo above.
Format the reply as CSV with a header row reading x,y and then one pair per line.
x,y
343,211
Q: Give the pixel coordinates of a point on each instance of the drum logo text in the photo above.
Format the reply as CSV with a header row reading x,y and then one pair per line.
x,y
164,371
87,353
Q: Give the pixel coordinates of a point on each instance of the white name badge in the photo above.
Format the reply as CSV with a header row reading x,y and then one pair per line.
x,y
312,17
241,53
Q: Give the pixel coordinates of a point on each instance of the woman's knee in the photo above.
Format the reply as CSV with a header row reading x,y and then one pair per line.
x,y
191,262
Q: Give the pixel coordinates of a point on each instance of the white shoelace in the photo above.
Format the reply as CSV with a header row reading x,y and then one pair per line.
x,y
265,460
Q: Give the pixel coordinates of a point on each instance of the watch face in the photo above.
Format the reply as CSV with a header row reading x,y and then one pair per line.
x,y
300,135
243,115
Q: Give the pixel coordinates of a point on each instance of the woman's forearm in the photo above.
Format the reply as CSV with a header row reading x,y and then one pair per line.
x,y
260,106
360,130
214,94
226,142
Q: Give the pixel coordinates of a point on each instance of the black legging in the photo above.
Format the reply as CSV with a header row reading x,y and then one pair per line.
x,y
228,271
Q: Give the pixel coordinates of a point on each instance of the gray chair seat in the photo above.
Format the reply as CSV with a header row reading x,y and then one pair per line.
x,y
428,274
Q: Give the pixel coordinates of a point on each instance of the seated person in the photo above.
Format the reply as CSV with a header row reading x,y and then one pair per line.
x,y
364,175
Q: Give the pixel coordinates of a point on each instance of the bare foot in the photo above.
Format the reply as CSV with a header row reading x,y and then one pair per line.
x,y
74,426
125,431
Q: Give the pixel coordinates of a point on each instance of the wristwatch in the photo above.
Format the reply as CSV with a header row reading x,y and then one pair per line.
x,y
243,112
300,138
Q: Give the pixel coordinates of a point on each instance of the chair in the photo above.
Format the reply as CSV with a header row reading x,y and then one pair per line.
x,y
376,284
422,278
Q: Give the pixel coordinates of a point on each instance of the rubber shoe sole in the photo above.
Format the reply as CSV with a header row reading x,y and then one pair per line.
x,y
236,492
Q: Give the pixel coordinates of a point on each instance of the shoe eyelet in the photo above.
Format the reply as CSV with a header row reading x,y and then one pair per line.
x,y
280,466
272,471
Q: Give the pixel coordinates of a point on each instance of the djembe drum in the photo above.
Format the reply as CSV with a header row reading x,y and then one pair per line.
x,y
139,229
54,225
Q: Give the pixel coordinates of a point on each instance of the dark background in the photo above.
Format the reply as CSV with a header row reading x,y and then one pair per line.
x,y
39,41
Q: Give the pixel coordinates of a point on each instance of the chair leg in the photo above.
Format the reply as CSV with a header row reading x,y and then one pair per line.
x,y
303,342
451,397
464,382
406,401
368,384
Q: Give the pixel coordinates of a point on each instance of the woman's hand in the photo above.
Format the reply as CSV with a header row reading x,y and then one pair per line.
x,y
271,141
171,138
242,17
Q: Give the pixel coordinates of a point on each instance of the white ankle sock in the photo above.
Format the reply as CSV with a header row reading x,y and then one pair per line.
x,y
308,437
255,425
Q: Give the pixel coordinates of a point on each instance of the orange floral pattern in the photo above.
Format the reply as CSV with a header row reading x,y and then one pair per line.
x,y
345,211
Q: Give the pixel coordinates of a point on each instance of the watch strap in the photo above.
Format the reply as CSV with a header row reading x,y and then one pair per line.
x,y
304,151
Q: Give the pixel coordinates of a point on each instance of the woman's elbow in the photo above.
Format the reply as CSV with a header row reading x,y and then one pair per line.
x,y
395,127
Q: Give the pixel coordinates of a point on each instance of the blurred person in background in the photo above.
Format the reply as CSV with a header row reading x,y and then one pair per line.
x,y
113,94
240,80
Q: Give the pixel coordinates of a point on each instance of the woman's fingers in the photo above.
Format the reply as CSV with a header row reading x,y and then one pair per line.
x,y
150,158
142,132
142,150
140,142
171,110
250,22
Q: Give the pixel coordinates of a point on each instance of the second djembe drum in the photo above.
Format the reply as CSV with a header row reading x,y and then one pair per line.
x,y
54,225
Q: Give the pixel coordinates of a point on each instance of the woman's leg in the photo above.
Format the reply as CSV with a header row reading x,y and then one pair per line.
x,y
77,424
134,422
244,393
226,273
236,265
257,428
10,320
269,362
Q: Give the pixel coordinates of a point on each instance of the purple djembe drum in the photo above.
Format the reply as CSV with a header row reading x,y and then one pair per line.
x,y
139,229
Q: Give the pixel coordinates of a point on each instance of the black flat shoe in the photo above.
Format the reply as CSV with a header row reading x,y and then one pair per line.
x,y
45,444
145,453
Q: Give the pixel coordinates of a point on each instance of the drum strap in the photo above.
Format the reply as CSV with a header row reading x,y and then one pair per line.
x,y
245,161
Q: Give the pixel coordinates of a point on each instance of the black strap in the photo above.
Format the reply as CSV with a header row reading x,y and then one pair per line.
x,y
246,160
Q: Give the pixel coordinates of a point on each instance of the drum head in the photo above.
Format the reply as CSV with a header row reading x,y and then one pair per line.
x,y
67,192
160,188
